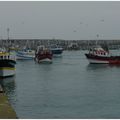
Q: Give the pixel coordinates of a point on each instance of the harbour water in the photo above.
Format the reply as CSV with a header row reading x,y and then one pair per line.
x,y
68,88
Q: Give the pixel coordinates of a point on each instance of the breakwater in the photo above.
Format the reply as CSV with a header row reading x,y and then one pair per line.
x,y
66,44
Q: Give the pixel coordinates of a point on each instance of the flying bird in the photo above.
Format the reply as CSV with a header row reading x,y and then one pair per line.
x,y
102,20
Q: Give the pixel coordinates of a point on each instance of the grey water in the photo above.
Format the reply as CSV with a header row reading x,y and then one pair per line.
x,y
70,87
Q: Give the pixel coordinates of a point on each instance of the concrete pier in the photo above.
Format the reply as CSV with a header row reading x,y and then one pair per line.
x,y
6,110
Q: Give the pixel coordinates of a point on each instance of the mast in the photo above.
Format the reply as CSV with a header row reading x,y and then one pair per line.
x,y
8,30
8,38
97,39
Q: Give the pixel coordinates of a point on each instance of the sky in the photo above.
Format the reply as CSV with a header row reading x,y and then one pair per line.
x,y
68,20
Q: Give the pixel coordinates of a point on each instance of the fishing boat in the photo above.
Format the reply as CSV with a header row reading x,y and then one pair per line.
x,y
102,55
56,50
7,63
43,55
25,54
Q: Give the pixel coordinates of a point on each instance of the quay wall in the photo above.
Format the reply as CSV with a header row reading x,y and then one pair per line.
x,y
6,110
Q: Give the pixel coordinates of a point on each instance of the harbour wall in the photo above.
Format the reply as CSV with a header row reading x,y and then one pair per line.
x,y
6,110
66,44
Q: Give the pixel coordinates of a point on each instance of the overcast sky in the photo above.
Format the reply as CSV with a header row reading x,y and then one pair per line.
x,y
80,20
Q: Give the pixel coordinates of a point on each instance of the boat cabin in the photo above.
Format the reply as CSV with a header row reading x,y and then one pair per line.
x,y
42,49
98,51
6,55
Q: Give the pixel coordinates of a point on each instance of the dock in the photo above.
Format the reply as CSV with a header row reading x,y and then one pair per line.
x,y
6,110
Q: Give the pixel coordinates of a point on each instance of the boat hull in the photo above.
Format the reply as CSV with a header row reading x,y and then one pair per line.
x,y
46,60
7,68
94,59
18,57
7,72
57,51
25,56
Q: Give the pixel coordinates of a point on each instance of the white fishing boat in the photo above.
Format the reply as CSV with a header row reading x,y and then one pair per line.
x,y
25,54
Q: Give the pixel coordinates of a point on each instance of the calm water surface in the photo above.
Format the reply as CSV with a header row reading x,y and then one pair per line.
x,y
68,88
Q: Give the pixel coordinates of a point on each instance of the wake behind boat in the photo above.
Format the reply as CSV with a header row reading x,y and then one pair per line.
x,y
101,55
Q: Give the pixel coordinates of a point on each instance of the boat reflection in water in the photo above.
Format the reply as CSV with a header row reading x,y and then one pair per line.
x,y
9,86
101,66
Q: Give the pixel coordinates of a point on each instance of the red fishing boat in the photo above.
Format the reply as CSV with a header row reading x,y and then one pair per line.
x,y
43,55
101,55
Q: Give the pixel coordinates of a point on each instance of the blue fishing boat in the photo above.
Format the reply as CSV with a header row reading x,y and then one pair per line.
x,y
56,50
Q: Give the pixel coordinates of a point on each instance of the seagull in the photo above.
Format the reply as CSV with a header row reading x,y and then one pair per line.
x,y
74,31
102,20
